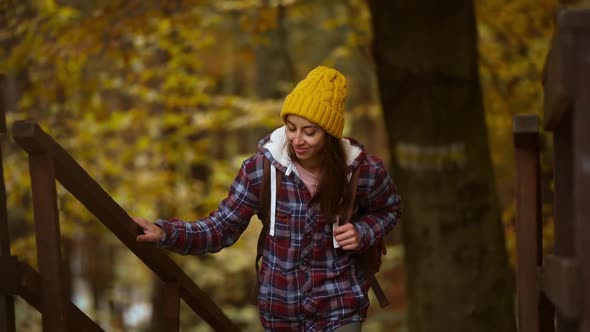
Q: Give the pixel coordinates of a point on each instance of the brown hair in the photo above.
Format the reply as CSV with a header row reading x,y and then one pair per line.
x,y
333,187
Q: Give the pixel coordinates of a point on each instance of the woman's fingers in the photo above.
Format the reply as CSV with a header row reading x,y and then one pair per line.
x,y
143,223
346,236
151,232
146,238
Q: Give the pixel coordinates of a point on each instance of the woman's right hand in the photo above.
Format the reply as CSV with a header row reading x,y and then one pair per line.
x,y
151,232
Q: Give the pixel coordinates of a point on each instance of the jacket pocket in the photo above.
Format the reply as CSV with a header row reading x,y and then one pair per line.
x,y
282,226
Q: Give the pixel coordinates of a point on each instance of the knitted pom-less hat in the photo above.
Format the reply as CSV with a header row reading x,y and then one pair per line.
x,y
319,98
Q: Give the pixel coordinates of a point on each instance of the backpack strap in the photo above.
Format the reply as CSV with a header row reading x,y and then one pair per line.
x,y
354,180
264,216
379,294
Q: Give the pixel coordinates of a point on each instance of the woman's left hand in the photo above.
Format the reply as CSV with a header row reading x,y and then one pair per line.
x,y
347,236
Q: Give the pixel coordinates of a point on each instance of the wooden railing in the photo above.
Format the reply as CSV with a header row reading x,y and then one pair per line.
x,y
554,290
46,290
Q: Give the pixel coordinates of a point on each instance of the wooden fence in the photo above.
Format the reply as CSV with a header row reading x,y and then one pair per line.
x,y
46,290
554,290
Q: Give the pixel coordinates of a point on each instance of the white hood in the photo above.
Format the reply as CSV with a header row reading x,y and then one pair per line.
x,y
277,146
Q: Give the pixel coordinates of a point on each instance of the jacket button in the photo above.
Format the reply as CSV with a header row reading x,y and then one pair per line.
x,y
304,263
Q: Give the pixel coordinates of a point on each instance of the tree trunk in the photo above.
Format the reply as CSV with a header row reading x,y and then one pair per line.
x,y
457,270
273,62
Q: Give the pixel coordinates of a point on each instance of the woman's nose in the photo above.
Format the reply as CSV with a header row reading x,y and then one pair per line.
x,y
298,139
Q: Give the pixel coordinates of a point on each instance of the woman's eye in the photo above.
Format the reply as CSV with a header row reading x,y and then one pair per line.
x,y
310,133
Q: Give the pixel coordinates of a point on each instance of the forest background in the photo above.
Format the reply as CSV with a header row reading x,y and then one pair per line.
x,y
161,101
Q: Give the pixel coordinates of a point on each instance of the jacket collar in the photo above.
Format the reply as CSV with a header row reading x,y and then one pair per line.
x,y
274,147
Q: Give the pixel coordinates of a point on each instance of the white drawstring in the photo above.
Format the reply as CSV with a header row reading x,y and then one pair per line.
x,y
337,223
273,199
334,225
289,169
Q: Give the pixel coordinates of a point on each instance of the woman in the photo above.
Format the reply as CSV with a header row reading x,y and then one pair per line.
x,y
309,279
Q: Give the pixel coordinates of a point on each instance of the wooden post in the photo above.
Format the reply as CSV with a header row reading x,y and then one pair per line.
x,y
567,114
559,280
529,226
563,202
171,307
53,288
7,318
581,170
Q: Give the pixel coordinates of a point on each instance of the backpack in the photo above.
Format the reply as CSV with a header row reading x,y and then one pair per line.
x,y
368,260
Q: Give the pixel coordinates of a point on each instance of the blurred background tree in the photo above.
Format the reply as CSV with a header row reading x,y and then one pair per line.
x,y
160,101
458,273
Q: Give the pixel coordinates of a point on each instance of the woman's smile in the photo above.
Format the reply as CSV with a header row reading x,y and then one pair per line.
x,y
300,150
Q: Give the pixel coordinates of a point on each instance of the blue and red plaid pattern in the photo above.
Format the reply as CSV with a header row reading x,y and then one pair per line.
x,y
305,283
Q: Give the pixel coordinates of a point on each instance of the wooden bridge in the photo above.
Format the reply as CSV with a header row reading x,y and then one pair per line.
x,y
554,290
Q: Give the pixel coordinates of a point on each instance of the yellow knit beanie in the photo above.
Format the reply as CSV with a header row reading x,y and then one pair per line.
x,y
319,98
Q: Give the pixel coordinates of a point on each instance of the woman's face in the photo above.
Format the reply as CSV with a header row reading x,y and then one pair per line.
x,y
306,138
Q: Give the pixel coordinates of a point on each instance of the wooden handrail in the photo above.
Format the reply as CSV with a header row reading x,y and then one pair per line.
x,y
76,180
